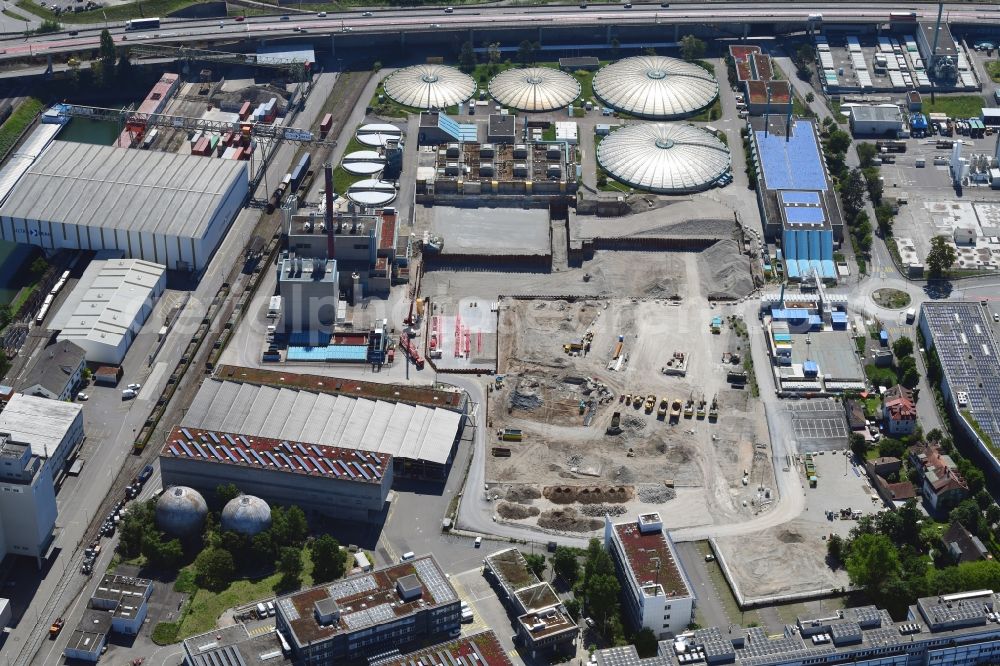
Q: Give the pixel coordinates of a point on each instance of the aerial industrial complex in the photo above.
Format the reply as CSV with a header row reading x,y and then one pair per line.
x,y
495,335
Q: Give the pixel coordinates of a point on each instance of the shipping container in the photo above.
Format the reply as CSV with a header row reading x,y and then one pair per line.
x,y
237,153
227,153
244,110
213,142
327,123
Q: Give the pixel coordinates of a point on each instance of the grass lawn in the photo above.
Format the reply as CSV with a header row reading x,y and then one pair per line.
x,y
342,180
800,108
955,106
203,608
993,69
893,299
14,15
22,116
114,13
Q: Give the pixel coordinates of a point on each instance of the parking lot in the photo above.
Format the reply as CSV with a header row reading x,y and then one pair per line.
x,y
817,425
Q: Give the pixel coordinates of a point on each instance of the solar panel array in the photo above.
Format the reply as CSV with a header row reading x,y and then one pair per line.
x,y
867,617
288,609
367,617
352,587
797,197
962,611
792,164
845,633
226,656
285,456
714,644
619,656
432,578
969,356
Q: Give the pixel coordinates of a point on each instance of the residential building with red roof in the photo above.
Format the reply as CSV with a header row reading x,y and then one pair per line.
x,y
942,485
899,411
656,590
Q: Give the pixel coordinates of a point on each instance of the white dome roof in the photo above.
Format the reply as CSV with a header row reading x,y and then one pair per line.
x,y
246,514
664,158
656,87
429,86
181,511
534,89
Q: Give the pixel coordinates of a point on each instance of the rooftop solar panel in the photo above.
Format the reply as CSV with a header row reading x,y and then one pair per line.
x,y
187,450
286,459
215,438
804,215
794,162
301,462
173,450
186,434
270,456
200,450
333,468
795,197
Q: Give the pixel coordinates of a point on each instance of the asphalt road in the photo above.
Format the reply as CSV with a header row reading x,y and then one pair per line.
x,y
435,19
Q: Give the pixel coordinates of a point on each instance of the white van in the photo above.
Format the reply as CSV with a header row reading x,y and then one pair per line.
x,y
261,610
407,556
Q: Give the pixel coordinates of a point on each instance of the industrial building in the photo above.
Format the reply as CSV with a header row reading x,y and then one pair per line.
x,y
754,70
363,244
479,649
544,627
369,614
346,483
656,87
948,629
534,89
108,306
938,49
119,604
429,86
436,127
53,428
962,335
166,208
795,195
310,293
55,372
664,158
498,170
884,120
421,440
501,128
27,500
655,589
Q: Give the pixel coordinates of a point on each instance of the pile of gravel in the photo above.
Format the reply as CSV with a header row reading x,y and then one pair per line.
x,y
600,510
724,272
631,422
574,460
525,398
655,493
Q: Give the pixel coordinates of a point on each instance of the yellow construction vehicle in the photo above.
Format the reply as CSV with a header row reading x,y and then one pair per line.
x,y
662,411
689,408
650,403
675,410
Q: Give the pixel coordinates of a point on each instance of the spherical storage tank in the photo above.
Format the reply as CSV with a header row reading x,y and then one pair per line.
x,y
181,511
247,515
664,158
534,89
656,87
429,86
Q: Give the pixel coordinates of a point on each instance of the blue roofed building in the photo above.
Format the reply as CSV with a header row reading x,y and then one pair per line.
x,y
798,205
437,128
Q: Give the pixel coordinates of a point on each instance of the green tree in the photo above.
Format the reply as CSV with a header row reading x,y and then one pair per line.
x,y
107,53
649,51
934,435
866,153
328,559
883,215
810,98
536,564
870,559
835,550
572,606
903,346
227,492
940,258
165,554
493,53
601,592
214,569
289,526
805,55
692,48
289,565
132,529
467,58
875,188
910,377
890,448
838,141
39,266
859,447
993,514
970,515
852,193
565,565
526,51
645,642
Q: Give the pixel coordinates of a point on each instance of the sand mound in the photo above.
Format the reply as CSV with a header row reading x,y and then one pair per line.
x,y
516,511
568,520
587,494
522,494
724,272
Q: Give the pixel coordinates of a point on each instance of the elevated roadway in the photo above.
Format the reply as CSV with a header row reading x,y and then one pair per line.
x,y
399,22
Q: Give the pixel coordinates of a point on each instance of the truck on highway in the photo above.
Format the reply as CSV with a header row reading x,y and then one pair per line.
x,y
143,24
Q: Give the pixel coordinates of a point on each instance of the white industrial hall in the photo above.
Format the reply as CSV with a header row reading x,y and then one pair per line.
x,y
162,207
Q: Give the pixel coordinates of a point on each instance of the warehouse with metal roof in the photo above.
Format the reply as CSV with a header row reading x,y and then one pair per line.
x,y
656,87
534,89
664,158
162,207
422,440
429,86
108,306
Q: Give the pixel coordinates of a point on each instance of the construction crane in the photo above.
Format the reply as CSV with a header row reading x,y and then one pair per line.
x,y
296,68
267,136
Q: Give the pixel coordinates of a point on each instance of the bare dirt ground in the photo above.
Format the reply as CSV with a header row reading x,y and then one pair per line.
x,y
693,469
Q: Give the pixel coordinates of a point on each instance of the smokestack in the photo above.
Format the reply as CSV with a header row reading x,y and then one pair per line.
x,y
328,182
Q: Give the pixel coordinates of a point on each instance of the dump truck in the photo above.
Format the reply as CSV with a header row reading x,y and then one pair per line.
x,y
575,346
675,410
713,411
650,403
662,411
637,401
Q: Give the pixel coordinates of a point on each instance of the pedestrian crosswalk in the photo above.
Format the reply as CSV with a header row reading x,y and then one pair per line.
x,y
261,630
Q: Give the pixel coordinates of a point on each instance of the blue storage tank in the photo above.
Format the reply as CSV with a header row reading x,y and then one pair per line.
x,y
814,252
883,338
810,369
826,245
789,243
802,245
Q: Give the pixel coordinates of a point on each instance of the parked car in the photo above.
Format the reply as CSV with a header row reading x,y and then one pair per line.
x,y
82,397
146,472
128,394
367,14
479,541
134,387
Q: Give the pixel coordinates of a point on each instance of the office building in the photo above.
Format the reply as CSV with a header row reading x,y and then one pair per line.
x,y
126,597
370,613
347,484
53,428
55,372
544,628
884,121
655,589
310,292
27,500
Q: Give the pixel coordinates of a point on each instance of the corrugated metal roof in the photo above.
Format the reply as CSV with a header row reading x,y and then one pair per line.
x,y
115,188
399,429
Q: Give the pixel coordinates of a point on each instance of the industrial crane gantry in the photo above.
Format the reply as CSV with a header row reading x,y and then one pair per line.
x,y
296,68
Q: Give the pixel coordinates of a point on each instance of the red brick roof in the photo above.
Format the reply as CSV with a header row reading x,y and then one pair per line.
x,y
644,551
387,239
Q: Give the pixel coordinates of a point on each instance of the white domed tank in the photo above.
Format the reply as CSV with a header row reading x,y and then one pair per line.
x,y
247,515
181,511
